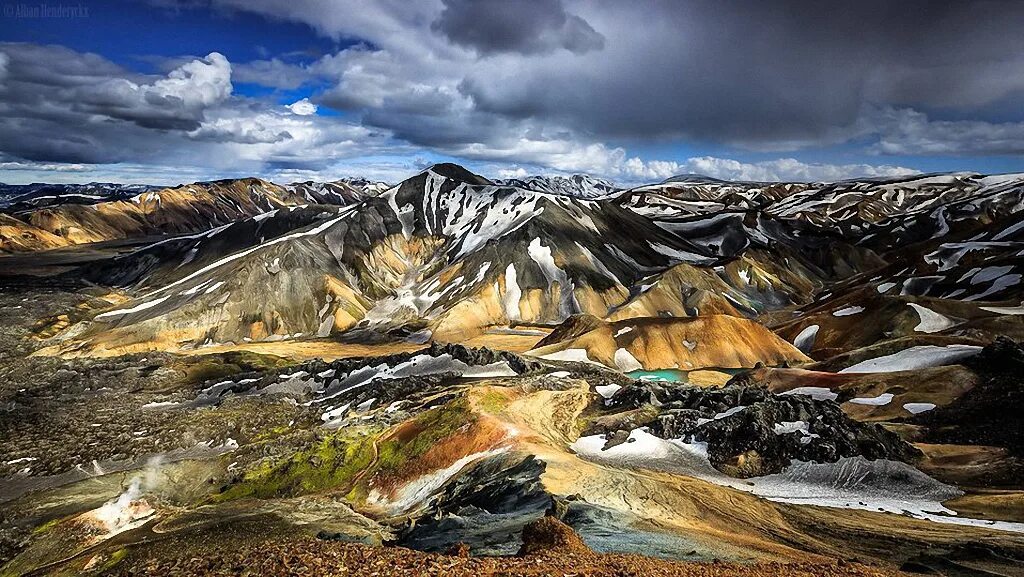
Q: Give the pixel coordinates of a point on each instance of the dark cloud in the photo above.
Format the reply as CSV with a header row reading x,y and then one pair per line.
x,y
54,82
564,84
525,27
765,74
908,132
61,106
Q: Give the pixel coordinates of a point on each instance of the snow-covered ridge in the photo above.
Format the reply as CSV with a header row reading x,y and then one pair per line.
x,y
578,185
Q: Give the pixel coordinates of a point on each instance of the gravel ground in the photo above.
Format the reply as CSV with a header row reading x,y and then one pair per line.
x,y
314,557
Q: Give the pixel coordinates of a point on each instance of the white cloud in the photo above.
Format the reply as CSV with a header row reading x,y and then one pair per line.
x,y
199,83
568,156
194,85
412,92
302,107
177,101
908,132
427,82
44,166
787,169
512,172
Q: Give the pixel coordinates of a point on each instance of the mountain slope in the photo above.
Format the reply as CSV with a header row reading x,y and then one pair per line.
x,y
707,341
449,252
183,209
24,197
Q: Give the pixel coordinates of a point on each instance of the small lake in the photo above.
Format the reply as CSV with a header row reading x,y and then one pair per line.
x,y
674,375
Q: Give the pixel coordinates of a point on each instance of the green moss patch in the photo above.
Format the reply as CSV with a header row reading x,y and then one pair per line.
x,y
346,460
332,463
493,402
414,439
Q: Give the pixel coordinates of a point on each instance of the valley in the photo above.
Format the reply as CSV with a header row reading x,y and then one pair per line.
x,y
524,376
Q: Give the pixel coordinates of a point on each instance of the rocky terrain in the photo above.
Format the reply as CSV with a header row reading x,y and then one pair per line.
x,y
553,550
36,217
537,376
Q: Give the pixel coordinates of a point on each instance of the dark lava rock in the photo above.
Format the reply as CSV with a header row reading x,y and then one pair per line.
x,y
484,508
990,413
321,376
469,355
571,327
751,431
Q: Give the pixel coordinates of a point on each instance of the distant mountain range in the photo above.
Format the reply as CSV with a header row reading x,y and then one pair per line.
x,y
449,252
39,216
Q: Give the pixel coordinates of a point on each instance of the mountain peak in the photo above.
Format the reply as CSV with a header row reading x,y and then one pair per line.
x,y
456,172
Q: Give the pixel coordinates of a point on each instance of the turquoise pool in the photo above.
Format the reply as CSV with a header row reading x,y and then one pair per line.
x,y
673,375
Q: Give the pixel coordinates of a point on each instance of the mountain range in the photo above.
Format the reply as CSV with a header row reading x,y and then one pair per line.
x,y
695,368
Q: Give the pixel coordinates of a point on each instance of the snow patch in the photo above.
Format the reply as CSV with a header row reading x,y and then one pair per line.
x,y
623,331
917,408
577,355
626,362
510,300
816,393
134,309
931,321
805,340
879,401
918,357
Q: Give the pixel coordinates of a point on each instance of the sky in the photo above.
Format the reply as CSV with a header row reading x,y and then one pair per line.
x,y
173,91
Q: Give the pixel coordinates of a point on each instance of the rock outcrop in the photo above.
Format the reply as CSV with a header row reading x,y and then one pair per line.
x,y
750,431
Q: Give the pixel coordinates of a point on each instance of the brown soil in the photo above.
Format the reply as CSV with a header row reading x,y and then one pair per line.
x,y
971,465
709,341
938,385
325,349
313,557
548,535
990,504
503,342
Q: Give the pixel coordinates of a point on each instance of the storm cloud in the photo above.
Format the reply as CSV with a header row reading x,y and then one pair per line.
x,y
794,89
526,27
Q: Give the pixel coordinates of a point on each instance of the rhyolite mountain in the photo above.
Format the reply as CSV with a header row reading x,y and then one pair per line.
x,y
38,217
452,253
22,197
447,254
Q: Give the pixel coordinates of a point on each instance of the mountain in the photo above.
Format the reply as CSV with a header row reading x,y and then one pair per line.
x,y
22,197
58,218
340,192
668,343
577,185
451,253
